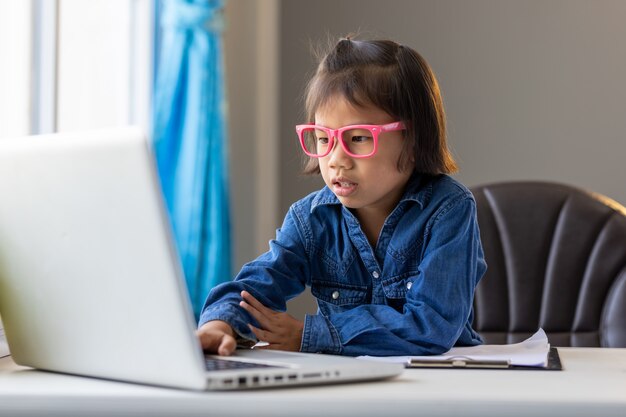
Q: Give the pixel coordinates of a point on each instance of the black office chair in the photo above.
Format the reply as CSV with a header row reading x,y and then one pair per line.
x,y
556,259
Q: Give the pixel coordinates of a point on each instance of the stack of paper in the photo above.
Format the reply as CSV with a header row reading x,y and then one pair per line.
x,y
531,352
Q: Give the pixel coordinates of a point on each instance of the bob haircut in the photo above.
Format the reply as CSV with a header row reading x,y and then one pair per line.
x,y
396,79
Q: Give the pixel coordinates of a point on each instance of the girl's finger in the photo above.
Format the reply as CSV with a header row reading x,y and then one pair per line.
x,y
208,341
227,346
261,334
262,319
249,298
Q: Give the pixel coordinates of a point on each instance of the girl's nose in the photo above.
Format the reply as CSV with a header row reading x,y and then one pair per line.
x,y
338,156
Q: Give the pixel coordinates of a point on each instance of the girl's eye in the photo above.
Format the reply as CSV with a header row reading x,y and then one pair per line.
x,y
322,141
360,139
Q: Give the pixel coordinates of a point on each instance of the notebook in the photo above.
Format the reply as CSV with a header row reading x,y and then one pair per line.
x,y
90,283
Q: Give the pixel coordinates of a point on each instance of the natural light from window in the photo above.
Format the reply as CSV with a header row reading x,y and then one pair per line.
x,y
15,40
72,65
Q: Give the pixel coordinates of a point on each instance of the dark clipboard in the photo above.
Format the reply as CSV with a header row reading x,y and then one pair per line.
x,y
554,364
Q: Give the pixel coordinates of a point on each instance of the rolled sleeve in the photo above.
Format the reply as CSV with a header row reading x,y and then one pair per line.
x,y
273,278
229,314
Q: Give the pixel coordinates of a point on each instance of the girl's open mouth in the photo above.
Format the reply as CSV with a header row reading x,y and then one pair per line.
x,y
344,188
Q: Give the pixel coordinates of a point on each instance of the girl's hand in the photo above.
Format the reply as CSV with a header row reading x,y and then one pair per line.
x,y
280,330
217,336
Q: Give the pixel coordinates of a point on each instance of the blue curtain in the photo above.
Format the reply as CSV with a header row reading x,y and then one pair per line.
x,y
190,140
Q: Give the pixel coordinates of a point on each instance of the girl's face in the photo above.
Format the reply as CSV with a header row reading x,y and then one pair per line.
x,y
366,185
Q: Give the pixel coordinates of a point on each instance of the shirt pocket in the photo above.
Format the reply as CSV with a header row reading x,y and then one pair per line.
x,y
396,289
339,294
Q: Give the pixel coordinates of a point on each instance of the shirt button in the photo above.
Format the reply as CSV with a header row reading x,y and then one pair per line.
x,y
408,285
375,274
335,295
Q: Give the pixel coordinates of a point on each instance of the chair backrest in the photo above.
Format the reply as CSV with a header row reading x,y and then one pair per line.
x,y
556,259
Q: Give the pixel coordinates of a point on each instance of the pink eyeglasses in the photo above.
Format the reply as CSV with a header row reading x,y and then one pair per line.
x,y
358,141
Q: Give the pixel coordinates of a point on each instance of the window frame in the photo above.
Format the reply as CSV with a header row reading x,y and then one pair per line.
x,y
39,91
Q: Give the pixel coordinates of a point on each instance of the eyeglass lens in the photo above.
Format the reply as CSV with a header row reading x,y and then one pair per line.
x,y
357,141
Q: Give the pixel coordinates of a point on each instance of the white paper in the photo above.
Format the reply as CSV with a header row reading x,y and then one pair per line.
x,y
531,352
260,344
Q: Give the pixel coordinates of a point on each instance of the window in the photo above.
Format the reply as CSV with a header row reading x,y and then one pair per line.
x,y
74,64
15,40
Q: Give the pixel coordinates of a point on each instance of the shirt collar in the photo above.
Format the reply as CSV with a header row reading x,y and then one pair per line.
x,y
418,189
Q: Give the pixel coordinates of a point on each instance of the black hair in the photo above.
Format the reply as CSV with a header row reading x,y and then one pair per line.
x,y
396,79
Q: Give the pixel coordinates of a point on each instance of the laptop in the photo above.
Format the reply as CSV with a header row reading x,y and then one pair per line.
x,y
90,283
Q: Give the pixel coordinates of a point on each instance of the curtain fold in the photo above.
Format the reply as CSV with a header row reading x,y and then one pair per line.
x,y
190,141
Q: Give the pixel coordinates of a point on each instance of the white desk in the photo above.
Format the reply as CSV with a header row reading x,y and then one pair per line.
x,y
593,383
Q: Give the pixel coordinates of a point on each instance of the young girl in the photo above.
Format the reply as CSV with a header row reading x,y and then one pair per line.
x,y
390,246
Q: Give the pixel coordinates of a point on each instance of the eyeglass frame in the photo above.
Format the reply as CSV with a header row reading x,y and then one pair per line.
x,y
337,133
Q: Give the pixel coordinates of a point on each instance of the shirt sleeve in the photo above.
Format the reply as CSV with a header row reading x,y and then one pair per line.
x,y
273,278
438,304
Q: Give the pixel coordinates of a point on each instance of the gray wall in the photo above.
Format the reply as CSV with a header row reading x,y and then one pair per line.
x,y
240,63
533,89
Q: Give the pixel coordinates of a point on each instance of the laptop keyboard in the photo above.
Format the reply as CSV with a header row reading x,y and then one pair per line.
x,y
215,364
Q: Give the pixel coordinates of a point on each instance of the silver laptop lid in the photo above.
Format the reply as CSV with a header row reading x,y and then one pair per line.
x,y
86,263
90,283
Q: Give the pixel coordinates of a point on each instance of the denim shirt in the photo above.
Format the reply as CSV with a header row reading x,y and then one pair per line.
x,y
410,295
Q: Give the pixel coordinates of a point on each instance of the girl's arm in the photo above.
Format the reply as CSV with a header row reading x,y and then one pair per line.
x,y
273,278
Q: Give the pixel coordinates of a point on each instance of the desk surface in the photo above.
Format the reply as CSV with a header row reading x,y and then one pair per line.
x,y
593,382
